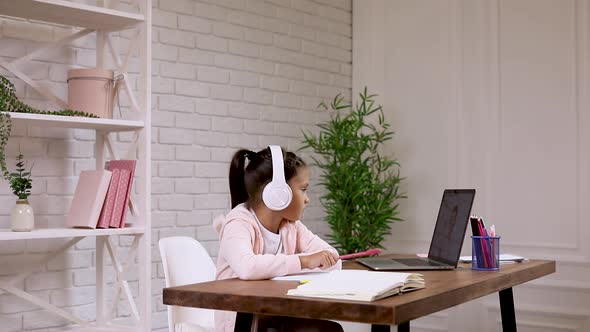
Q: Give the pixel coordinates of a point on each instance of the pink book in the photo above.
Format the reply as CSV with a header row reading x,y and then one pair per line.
x,y
130,166
88,198
109,202
119,207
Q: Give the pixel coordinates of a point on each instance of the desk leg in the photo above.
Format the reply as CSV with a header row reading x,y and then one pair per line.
x,y
507,310
403,327
243,322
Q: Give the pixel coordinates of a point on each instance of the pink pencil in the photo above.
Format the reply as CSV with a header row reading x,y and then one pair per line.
x,y
370,252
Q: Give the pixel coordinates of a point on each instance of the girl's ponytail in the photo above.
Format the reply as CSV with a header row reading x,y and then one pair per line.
x,y
237,186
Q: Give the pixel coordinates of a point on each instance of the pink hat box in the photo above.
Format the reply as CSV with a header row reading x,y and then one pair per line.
x,y
91,90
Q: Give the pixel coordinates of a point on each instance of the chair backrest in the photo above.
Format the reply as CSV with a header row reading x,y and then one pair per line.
x,y
186,261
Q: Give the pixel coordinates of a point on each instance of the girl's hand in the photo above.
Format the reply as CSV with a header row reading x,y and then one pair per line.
x,y
323,259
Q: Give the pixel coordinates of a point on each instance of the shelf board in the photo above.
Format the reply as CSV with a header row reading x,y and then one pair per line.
x,y
92,328
109,125
70,13
55,233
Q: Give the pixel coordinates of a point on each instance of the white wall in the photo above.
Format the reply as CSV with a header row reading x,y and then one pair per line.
x,y
490,94
227,74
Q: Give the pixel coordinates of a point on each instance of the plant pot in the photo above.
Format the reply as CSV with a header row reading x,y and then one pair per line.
x,y
22,217
92,91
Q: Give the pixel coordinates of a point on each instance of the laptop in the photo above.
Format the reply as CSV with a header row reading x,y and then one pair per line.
x,y
447,239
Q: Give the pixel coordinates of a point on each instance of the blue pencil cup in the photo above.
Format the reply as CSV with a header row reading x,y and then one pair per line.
x,y
485,253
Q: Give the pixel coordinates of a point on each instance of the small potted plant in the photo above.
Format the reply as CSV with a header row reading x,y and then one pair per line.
x,y
22,217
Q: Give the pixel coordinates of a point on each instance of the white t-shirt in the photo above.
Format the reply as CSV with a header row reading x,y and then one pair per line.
x,y
272,241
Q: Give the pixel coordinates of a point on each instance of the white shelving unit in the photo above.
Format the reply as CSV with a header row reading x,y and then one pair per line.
x,y
103,20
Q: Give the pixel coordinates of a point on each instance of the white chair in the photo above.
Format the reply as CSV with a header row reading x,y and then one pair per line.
x,y
186,261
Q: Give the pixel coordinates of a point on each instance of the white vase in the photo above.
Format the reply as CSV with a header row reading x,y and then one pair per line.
x,y
22,217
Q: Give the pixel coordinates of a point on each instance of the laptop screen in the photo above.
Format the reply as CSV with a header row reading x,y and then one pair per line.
x,y
451,225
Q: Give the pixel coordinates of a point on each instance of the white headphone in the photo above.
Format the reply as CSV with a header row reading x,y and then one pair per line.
x,y
277,194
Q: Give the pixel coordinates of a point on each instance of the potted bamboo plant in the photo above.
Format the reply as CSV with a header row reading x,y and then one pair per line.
x,y
362,185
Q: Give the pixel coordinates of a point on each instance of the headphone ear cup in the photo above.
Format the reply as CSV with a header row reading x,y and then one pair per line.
x,y
277,196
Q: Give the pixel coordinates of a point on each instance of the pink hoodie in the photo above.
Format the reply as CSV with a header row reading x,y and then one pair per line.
x,y
241,247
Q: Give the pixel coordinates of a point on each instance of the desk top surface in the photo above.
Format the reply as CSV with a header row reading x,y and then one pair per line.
x,y
444,289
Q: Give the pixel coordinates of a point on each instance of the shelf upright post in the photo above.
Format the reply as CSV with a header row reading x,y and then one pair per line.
x,y
100,243
145,88
101,286
100,41
100,48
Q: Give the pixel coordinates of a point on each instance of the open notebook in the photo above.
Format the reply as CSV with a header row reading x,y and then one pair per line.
x,y
357,285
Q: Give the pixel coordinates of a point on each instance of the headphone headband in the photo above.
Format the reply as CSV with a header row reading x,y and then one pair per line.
x,y
278,165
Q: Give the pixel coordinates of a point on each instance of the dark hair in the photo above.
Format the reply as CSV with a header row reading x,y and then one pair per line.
x,y
246,182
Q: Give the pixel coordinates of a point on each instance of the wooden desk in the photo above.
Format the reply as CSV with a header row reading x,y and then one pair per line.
x,y
444,289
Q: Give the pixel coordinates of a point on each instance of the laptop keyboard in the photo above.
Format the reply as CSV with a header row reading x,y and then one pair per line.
x,y
417,262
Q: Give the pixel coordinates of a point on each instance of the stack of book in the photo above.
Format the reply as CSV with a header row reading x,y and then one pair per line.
x,y
101,198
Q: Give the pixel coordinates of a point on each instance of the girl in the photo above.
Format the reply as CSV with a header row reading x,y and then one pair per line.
x,y
257,242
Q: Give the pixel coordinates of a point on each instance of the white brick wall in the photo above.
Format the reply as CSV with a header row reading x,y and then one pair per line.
x,y
227,74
